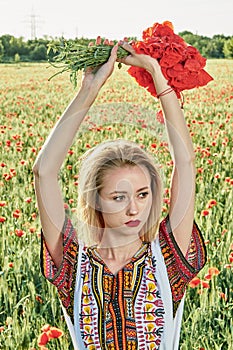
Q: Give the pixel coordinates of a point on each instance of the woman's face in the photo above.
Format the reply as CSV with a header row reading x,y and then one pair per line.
x,y
125,199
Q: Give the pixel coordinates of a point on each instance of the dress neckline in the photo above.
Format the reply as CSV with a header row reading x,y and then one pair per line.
x,y
95,256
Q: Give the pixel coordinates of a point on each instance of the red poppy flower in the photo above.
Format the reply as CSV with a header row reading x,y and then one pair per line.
x,y
47,334
213,271
54,332
205,212
43,339
19,232
211,203
164,29
205,284
223,296
2,219
194,282
181,64
170,59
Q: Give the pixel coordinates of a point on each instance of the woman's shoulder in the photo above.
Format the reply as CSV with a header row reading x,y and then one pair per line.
x,y
69,232
195,258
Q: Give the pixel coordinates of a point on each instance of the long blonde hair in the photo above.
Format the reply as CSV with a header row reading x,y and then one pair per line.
x,y
95,163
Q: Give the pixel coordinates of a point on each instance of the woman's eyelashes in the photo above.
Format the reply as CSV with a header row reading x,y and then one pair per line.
x,y
143,194
121,198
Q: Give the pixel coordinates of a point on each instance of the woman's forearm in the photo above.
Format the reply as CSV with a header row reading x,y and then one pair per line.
x,y
55,149
179,137
61,138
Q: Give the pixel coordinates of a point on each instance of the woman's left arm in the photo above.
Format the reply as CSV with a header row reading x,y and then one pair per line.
x,y
182,189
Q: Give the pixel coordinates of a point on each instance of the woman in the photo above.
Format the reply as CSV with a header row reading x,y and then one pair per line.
x,y
122,277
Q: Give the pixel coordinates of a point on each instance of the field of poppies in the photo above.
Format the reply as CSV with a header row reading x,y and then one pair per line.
x,y
30,313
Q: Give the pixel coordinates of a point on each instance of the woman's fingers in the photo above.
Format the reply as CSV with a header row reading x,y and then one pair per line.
x,y
98,75
131,59
136,59
127,47
114,51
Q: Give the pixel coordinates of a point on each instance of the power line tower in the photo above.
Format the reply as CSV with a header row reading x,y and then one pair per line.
x,y
33,26
33,21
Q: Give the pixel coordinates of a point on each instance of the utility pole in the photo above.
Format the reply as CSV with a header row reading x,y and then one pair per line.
x,y
33,21
33,26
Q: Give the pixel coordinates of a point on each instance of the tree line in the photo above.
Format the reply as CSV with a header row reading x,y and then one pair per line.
x,y
14,49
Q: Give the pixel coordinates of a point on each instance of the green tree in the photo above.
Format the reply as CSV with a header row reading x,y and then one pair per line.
x,y
228,48
214,47
39,53
5,40
13,46
1,51
198,41
17,45
188,37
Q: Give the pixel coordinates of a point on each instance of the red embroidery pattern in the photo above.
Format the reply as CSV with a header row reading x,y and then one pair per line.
x,y
117,295
64,277
181,269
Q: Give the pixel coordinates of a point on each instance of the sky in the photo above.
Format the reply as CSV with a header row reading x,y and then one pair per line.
x,y
112,19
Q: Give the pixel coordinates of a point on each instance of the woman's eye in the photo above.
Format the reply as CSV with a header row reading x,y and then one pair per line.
x,y
119,198
143,194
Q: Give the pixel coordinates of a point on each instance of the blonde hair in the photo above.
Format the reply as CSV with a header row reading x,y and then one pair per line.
x,y
95,163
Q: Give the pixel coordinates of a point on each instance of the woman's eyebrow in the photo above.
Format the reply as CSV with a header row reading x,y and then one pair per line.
x,y
141,189
118,192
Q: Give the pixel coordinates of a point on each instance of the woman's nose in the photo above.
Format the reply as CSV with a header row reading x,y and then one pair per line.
x,y
132,208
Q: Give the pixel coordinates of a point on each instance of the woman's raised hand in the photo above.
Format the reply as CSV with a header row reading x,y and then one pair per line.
x,y
138,60
97,76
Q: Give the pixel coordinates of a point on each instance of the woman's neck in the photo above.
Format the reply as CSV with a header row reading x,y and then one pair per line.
x,y
119,252
116,258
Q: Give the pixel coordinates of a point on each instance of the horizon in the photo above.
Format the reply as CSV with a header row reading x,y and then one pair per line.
x,y
49,37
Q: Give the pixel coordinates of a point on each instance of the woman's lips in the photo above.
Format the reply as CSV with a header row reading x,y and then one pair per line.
x,y
132,223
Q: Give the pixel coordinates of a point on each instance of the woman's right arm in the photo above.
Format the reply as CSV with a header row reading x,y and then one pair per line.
x,y
50,158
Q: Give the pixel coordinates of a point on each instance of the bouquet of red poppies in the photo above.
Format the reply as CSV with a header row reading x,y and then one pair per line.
x,y
181,64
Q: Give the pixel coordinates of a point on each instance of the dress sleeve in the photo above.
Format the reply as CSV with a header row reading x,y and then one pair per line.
x,y
181,269
63,277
